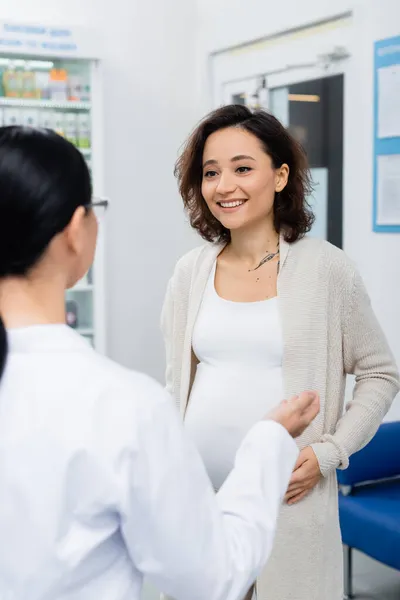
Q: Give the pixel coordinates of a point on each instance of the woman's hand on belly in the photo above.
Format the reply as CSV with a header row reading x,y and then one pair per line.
x,y
305,476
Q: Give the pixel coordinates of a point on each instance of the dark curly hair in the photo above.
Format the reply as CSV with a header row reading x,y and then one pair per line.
x,y
293,216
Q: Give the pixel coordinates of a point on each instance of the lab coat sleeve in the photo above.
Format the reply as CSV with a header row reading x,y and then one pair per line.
x,y
191,543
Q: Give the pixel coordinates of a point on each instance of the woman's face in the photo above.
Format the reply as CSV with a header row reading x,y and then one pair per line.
x,y
239,180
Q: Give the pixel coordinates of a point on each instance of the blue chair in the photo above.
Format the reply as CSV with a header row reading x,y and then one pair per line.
x,y
369,501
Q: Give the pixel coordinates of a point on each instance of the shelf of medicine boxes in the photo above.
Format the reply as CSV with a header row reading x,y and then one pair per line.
x,y
48,104
83,291
52,104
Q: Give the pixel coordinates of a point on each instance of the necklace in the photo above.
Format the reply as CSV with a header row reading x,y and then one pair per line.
x,y
267,258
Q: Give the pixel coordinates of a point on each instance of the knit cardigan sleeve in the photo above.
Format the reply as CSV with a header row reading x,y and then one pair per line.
x,y
167,328
368,357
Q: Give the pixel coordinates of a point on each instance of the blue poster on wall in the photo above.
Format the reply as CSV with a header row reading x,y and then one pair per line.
x,y
386,185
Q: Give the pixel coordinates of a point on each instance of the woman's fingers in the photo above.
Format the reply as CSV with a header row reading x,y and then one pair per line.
x,y
297,498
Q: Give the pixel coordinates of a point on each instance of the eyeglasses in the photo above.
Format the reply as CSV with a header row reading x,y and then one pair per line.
x,y
99,207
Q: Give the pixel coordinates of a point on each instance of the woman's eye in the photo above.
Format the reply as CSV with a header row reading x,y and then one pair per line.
x,y
243,169
210,174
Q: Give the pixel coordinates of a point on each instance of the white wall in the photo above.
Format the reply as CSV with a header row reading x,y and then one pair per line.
x,y
145,125
226,23
148,60
376,254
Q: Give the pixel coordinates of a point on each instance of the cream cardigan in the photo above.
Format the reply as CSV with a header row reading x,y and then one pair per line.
x,y
329,330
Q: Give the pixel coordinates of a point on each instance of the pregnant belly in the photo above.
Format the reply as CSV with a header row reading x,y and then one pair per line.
x,y
223,406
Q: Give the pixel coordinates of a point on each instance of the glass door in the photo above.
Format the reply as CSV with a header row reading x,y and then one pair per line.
x,y
312,110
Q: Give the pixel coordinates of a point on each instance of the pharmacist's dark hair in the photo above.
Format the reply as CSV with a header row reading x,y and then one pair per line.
x,y
43,180
293,216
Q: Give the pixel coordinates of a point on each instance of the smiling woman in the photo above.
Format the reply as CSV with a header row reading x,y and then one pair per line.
x,y
209,164
262,312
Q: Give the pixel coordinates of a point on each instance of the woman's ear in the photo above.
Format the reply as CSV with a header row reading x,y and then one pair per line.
x,y
281,177
75,231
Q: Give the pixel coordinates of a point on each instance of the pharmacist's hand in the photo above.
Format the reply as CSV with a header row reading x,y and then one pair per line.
x,y
296,414
305,476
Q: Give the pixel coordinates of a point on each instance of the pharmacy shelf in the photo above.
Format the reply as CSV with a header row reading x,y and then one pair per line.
x,y
84,287
85,330
32,103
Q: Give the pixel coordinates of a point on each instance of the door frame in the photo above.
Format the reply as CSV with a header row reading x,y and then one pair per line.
x,y
312,53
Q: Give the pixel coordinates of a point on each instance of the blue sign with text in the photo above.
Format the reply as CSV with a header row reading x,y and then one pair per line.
x,y
386,165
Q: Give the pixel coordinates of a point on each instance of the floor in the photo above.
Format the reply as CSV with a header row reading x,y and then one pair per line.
x,y
372,581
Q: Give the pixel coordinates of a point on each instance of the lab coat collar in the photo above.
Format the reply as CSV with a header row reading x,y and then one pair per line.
x,y
51,338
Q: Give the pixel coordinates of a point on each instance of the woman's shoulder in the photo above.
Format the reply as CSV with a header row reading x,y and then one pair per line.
x,y
329,263
193,261
196,263
324,251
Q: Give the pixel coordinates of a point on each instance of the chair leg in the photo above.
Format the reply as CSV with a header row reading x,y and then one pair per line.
x,y
348,587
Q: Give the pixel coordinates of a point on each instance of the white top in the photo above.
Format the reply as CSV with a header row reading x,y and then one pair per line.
x,y
239,376
96,479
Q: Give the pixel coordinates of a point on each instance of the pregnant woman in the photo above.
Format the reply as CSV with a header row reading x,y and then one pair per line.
x,y
262,312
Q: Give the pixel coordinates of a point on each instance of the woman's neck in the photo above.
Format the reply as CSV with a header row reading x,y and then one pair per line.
x,y
252,244
25,302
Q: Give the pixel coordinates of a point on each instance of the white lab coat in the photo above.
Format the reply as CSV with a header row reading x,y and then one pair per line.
x,y
100,487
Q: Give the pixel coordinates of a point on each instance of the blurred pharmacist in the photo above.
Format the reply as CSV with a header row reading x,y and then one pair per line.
x,y
96,476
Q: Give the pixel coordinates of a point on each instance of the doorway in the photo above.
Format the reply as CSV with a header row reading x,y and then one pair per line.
x,y
314,116
300,77
312,110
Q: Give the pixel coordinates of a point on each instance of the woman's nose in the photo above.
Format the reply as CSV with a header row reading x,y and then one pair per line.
x,y
226,183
